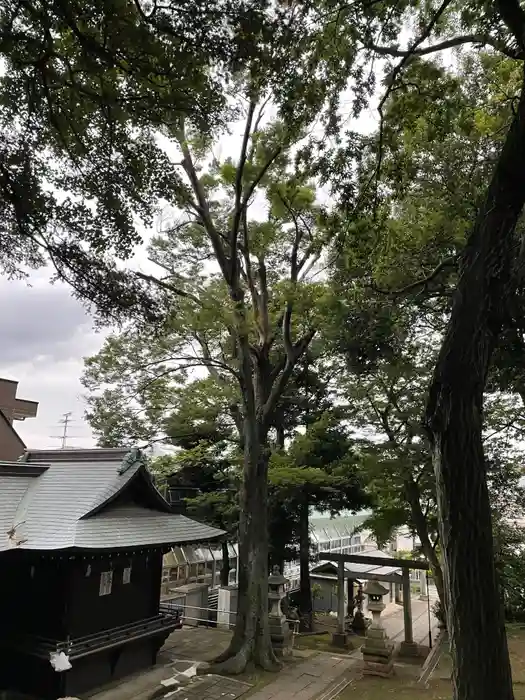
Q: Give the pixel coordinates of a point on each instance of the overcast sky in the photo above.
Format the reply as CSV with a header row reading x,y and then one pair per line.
x,y
45,334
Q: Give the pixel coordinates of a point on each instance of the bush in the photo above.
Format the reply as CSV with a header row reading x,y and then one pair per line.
x,y
439,613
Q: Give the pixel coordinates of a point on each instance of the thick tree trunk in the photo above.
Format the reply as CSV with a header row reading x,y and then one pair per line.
x,y
225,568
305,593
251,638
454,420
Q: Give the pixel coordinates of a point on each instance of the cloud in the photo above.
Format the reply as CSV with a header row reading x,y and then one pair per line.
x,y
41,321
45,334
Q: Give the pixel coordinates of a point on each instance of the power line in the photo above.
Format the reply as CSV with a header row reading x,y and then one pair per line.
x,y
66,422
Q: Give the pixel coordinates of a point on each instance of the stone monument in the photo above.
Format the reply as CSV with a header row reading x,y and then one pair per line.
x,y
378,649
279,628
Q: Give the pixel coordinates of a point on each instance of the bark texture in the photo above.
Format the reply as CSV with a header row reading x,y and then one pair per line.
x,y
305,593
251,638
454,420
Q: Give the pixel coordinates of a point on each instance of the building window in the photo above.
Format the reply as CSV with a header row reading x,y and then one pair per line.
x,y
126,575
106,581
324,546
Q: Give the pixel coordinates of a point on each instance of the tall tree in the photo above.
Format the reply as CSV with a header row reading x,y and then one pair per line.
x,y
247,317
482,307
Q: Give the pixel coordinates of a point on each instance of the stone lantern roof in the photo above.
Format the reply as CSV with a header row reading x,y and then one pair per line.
x,y
276,578
375,588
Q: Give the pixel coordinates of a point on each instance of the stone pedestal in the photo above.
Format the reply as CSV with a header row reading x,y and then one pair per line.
x,y
280,633
340,640
378,653
409,649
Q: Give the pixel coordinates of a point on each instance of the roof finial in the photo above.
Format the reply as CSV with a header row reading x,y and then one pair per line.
x,y
134,456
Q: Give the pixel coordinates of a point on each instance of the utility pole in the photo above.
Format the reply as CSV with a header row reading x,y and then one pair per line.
x,y
66,422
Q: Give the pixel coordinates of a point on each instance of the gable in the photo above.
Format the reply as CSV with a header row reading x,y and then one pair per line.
x,y
137,490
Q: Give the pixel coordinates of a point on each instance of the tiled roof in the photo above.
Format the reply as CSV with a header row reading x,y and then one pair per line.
x,y
71,504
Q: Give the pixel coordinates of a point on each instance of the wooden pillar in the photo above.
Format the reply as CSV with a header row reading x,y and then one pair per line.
x,y
408,646
423,588
339,638
407,607
341,598
350,596
213,571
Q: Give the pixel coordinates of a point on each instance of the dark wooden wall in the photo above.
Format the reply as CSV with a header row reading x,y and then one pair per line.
x,y
88,612
33,594
57,599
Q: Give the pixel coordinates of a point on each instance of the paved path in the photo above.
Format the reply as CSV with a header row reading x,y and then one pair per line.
x,y
393,621
320,677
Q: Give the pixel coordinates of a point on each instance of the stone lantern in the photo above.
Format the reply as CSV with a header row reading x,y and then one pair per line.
x,y
377,649
279,628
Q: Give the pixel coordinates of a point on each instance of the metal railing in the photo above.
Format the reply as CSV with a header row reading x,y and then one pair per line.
x,y
209,617
79,647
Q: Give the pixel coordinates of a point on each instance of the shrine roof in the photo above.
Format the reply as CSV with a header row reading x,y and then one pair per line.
x,y
88,499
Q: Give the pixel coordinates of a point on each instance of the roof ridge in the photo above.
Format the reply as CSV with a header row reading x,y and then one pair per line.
x,y
78,454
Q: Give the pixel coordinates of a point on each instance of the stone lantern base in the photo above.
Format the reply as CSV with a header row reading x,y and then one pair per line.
x,y
280,635
377,653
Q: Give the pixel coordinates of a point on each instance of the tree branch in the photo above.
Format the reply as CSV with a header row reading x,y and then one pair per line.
x,y
298,349
479,39
447,262
169,287
391,82
204,209
239,202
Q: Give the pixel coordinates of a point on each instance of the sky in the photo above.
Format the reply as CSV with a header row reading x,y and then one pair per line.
x,y
45,334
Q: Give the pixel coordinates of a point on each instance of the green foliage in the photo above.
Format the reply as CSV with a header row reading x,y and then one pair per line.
x,y
210,473
510,565
319,466
84,89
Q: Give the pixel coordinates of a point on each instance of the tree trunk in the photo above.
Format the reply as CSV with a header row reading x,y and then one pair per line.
x,y
305,593
420,523
251,638
225,568
454,420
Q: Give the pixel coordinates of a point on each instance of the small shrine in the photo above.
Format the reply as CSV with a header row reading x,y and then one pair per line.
x,y
82,537
279,628
378,649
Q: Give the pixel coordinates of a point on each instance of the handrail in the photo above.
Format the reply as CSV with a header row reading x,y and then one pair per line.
x,y
78,647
